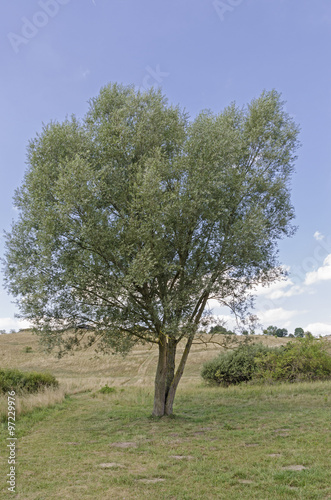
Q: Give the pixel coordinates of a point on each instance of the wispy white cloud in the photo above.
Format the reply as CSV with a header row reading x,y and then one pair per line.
x,y
13,324
323,273
276,316
84,73
213,303
279,289
319,328
318,236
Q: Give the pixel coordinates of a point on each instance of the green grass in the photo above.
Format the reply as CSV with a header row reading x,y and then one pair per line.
x,y
234,443
226,438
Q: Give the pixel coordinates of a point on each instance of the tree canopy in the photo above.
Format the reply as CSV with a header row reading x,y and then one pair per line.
x,y
283,332
132,218
299,332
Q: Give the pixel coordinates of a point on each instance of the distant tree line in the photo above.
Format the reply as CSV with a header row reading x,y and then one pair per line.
x,y
221,330
283,332
273,331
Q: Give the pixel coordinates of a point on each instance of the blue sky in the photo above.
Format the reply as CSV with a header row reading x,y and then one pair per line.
x,y
57,54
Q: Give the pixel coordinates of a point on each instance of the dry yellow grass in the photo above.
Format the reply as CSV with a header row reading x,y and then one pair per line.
x,y
86,370
26,403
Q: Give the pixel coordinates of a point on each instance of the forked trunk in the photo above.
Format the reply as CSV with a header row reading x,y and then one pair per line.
x,y
166,380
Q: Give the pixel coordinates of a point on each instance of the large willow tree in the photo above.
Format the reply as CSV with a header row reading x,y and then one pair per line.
x,y
131,219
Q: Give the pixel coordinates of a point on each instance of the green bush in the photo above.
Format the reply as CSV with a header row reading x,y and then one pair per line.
x,y
234,366
25,381
27,349
107,390
302,359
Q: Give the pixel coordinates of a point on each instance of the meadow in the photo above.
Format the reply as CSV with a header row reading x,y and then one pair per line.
x,y
248,441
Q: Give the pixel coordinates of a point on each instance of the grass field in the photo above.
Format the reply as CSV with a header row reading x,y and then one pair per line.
x,y
256,442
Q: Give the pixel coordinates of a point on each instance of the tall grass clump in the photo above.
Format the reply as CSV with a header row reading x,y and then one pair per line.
x,y
28,402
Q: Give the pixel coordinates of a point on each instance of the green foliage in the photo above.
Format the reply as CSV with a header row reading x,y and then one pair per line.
x,y
281,332
132,218
271,330
235,366
299,332
275,331
302,359
219,329
107,390
25,381
27,349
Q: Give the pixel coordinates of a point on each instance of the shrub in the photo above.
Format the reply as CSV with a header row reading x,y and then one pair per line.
x,y
301,359
107,390
27,349
219,329
234,366
25,381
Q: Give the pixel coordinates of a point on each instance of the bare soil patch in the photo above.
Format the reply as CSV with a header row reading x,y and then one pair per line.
x,y
294,467
111,465
124,444
154,480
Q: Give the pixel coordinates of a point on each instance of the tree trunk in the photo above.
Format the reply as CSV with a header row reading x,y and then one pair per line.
x,y
160,380
176,379
171,359
166,380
